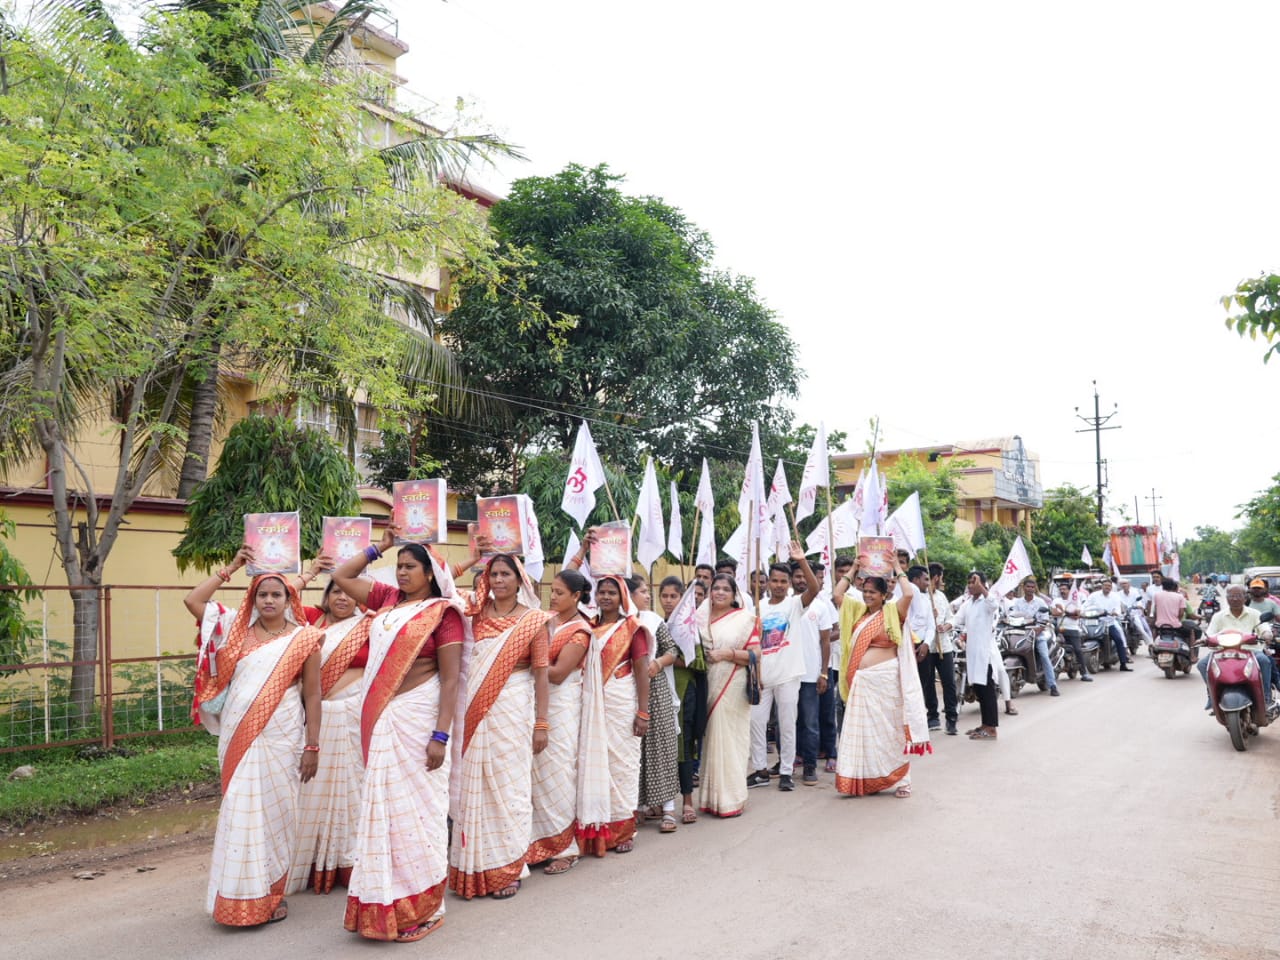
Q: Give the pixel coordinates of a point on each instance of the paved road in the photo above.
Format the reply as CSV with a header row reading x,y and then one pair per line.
x,y
1113,822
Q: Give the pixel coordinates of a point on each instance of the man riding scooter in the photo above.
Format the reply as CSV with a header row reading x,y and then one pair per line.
x,y
1035,608
1241,619
1108,603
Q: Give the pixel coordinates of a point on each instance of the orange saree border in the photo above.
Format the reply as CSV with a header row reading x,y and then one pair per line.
x,y
384,921
484,882
342,656
855,787
597,841
395,667
249,913
617,647
304,643
549,847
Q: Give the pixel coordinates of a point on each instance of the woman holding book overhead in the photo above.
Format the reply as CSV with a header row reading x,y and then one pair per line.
x,y
730,636
408,694
555,769
504,726
330,803
258,690
884,717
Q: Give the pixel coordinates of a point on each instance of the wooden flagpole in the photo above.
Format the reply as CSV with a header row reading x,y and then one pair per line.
x,y
693,547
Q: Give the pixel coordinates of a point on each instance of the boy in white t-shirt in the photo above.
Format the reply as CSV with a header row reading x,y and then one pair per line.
x,y
782,667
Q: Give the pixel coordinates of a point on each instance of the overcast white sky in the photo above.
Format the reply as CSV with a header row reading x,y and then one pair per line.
x,y
964,212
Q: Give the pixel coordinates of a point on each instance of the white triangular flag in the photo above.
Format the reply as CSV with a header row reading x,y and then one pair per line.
x,y
683,624
675,538
533,557
738,548
703,499
707,540
652,537
1108,561
844,527
1085,557
817,473
779,492
1016,569
906,525
586,476
753,491
870,519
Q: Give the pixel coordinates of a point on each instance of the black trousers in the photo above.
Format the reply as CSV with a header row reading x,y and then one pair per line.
x,y
1073,639
989,699
693,723
945,666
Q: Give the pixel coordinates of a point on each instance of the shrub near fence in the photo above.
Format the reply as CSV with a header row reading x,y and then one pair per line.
x,y
147,642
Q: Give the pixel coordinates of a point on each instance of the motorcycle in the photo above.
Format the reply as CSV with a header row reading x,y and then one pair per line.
x,y
1235,686
1017,636
1096,628
1133,633
1210,603
1172,652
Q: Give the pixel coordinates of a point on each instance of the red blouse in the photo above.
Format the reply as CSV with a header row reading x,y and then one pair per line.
x,y
383,595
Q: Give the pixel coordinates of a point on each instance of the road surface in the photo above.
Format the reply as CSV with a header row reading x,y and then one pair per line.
x,y
1113,822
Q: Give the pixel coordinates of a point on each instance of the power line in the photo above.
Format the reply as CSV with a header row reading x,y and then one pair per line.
x,y
1096,425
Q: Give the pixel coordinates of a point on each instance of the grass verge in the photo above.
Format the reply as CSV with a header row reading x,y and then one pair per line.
x,y
64,783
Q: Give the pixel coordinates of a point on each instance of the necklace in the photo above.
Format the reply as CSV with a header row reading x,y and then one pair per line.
x,y
499,616
386,617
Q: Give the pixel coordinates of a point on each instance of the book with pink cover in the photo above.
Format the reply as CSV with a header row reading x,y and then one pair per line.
x,y
343,537
611,552
879,555
276,542
498,518
418,508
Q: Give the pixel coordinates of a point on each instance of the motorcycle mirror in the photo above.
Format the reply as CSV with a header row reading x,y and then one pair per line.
x,y
1267,617
1042,609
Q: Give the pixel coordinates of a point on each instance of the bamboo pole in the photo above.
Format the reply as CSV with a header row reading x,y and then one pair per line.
x,y
693,546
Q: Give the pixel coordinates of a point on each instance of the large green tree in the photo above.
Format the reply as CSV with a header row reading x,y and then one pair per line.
x,y
618,316
1212,551
1253,310
1260,538
155,223
1066,525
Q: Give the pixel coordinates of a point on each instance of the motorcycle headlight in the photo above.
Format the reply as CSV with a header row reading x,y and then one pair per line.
x,y
1230,640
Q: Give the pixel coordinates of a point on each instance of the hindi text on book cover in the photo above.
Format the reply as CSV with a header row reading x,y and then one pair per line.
x,y
879,555
276,542
611,552
343,537
418,509
498,518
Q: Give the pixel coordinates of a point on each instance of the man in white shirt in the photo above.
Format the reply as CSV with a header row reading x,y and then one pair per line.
x,y
782,667
926,623
1149,594
975,624
1028,606
1108,602
814,633
1135,604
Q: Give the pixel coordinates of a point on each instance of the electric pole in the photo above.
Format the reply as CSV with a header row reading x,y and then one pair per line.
x,y
1155,513
1097,423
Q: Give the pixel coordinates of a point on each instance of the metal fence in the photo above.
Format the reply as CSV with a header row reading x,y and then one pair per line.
x,y
143,668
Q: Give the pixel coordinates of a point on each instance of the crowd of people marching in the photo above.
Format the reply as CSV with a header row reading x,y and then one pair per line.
x,y
408,740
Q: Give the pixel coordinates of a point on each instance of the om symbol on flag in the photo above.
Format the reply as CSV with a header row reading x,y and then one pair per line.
x,y
577,481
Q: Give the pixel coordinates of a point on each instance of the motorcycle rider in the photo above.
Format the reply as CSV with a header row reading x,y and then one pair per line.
x,y
1258,599
1107,602
1149,594
1028,606
1244,619
1134,606
1068,612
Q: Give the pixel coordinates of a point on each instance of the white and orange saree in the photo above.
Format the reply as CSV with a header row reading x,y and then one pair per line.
x,y
726,745
250,696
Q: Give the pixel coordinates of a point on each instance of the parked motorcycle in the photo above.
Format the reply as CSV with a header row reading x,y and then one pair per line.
x,y
1096,628
1017,636
1172,652
1235,686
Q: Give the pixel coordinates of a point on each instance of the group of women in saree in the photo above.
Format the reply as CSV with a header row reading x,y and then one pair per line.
x,y
404,741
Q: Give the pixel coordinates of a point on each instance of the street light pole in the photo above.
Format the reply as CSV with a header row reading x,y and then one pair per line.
x,y
1097,423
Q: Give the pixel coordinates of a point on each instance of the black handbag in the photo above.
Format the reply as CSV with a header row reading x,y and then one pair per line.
x,y
753,678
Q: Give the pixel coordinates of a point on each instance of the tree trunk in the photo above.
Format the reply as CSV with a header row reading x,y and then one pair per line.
x,y
85,615
204,408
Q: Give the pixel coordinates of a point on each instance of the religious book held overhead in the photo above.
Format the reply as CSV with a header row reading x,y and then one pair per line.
x,y
343,537
418,508
611,552
500,519
276,542
878,556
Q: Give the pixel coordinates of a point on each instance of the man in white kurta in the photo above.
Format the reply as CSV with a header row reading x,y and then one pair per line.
x,y
975,623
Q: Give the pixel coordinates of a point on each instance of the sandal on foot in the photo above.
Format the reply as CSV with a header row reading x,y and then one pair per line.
x,y
559,865
414,934
669,824
981,734
280,912
626,846
1010,709
507,892
903,792
690,815
831,765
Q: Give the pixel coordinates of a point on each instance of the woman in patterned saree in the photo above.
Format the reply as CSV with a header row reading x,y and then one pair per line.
x,y
615,679
659,781
407,699
884,716
555,769
505,726
248,694
330,803
728,634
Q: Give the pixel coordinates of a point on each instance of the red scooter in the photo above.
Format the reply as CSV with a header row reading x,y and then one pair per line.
x,y
1235,687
